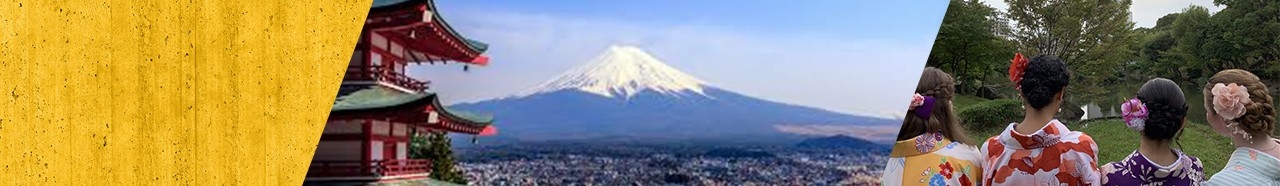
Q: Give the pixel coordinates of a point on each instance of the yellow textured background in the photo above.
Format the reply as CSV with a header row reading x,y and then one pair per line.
x,y
168,93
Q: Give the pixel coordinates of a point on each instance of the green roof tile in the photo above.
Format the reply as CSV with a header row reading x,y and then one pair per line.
x,y
375,97
470,116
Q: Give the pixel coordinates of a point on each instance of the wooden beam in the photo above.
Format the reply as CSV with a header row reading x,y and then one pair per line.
x,y
365,146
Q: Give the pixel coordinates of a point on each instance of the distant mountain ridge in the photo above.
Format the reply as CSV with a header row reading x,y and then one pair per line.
x,y
627,94
841,142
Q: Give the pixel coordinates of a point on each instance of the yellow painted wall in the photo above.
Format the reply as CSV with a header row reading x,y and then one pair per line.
x,y
196,92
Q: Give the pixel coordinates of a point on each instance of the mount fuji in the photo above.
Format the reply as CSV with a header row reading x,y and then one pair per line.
x,y
625,94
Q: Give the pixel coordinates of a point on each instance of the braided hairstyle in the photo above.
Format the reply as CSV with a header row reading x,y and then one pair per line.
x,y
939,85
1043,79
1166,109
1259,116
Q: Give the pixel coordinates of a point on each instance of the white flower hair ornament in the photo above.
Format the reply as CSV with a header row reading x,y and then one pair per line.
x,y
1134,113
1229,101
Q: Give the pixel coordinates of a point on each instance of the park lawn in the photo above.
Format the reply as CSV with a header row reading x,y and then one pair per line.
x,y
962,101
982,134
1115,141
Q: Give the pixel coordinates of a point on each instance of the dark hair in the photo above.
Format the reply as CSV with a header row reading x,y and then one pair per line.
x,y
1166,108
1259,116
1044,78
939,85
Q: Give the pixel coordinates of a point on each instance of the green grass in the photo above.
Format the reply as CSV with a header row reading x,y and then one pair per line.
x,y
983,134
964,101
1115,141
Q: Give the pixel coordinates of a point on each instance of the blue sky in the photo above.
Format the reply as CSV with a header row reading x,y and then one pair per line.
x,y
859,57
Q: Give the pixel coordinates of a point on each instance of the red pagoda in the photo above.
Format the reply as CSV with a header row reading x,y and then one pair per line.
x,y
379,108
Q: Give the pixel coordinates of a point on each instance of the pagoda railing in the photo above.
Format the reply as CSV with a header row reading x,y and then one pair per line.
x,y
336,169
403,167
378,168
381,74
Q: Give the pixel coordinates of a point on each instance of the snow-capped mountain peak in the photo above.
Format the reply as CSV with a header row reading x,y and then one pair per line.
x,y
623,71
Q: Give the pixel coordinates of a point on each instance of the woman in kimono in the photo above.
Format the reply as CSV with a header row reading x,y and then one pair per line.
x,y
1157,113
1240,107
932,148
1040,150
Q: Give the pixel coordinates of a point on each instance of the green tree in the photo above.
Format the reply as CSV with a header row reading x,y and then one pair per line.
x,y
1093,37
1189,32
969,45
1166,21
1246,35
435,146
1154,56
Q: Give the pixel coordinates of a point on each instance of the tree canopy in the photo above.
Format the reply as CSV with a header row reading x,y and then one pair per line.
x,y
971,44
1193,44
1101,45
436,146
1095,38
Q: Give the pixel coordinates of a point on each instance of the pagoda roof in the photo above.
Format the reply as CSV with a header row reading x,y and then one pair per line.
x,y
377,97
385,3
382,7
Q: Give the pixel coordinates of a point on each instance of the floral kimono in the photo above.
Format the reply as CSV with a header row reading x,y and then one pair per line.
x,y
1248,166
1138,170
1053,155
930,159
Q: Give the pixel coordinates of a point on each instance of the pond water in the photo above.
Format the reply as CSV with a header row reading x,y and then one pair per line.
x,y
1110,104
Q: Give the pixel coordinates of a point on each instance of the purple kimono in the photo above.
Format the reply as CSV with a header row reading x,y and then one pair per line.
x,y
1138,170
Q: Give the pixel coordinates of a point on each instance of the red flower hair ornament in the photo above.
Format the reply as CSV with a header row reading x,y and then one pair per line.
x,y
1016,67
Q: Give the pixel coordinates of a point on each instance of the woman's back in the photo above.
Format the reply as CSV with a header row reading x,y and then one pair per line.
x,y
1240,107
1248,166
931,147
1136,169
1157,114
930,159
1052,155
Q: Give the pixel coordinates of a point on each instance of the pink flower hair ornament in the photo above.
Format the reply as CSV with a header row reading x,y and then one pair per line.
x,y
1134,113
1229,101
921,106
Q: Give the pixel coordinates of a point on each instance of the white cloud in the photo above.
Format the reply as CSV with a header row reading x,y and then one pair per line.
x,y
1145,12
861,76
998,4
